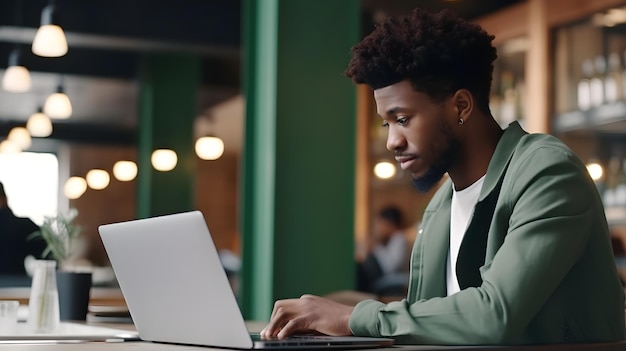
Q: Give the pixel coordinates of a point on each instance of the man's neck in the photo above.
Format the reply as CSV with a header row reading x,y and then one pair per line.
x,y
475,151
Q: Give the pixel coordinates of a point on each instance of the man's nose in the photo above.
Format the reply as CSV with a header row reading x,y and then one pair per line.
x,y
395,139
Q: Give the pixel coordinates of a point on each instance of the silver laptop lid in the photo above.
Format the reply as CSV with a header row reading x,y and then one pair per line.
x,y
174,284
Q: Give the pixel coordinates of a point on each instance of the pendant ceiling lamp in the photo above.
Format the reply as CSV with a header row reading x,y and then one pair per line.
x,y
75,187
9,147
39,124
98,179
16,78
209,147
58,105
21,137
164,160
50,39
125,171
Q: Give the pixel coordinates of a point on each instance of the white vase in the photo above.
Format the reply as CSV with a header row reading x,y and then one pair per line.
x,y
43,304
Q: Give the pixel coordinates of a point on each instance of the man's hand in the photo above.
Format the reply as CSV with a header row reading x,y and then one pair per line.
x,y
308,314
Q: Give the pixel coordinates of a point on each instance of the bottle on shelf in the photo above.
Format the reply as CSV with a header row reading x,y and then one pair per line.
x,y
584,86
596,83
608,197
613,81
520,87
615,191
620,189
623,96
509,103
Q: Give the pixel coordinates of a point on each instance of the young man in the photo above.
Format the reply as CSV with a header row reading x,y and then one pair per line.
x,y
514,247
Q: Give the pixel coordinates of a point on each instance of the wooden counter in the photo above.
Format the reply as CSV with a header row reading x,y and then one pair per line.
x,y
99,296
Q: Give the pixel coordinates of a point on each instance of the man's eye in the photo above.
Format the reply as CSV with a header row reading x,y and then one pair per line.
x,y
385,124
402,121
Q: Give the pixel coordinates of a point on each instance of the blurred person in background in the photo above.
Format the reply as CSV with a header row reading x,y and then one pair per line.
x,y
384,270
15,245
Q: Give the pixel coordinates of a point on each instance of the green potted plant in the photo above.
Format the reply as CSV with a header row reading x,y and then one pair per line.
x,y
62,236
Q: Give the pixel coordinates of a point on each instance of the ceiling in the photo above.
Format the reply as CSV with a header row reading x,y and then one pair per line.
x,y
469,9
107,39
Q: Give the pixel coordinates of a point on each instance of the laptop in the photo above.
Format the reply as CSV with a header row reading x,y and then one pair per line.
x,y
177,291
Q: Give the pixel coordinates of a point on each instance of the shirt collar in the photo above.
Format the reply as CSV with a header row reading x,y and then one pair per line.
x,y
501,156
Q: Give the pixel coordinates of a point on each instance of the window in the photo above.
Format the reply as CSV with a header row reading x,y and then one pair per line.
x,y
31,182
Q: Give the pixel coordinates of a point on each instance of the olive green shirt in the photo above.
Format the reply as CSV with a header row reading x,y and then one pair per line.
x,y
535,265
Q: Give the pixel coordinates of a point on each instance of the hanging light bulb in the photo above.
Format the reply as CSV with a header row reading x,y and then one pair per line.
x,y
98,179
164,159
125,171
16,77
9,147
595,170
384,170
20,136
39,125
75,187
58,104
209,147
50,39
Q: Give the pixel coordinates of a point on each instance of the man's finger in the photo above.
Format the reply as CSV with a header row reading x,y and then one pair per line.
x,y
280,316
290,328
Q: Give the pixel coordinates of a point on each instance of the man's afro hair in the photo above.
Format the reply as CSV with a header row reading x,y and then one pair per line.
x,y
439,52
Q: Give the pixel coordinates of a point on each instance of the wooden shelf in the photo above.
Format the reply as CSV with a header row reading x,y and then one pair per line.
x,y
609,118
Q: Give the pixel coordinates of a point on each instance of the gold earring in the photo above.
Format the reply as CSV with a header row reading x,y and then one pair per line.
x,y
461,121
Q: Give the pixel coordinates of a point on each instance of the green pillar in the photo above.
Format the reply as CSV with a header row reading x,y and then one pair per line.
x,y
167,108
299,161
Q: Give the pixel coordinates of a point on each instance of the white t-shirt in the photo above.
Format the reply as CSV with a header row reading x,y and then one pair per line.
x,y
463,203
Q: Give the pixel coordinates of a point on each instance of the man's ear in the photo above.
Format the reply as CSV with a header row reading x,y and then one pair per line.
x,y
464,104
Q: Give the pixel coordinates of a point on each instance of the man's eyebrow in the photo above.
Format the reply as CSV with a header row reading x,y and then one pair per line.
x,y
394,110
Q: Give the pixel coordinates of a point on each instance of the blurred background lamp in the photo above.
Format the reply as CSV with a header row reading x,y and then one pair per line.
x,y
9,147
595,170
384,170
21,137
75,187
164,159
98,179
209,147
16,77
125,171
50,39
39,125
58,105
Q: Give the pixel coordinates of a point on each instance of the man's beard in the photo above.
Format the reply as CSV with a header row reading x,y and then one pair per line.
x,y
436,171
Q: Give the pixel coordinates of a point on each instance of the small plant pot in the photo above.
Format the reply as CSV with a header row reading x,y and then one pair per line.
x,y
74,292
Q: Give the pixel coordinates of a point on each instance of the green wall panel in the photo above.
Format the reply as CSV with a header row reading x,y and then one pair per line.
x,y
167,108
299,161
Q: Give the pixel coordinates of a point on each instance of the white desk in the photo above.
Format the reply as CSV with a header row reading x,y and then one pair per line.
x,y
257,326
141,346
113,297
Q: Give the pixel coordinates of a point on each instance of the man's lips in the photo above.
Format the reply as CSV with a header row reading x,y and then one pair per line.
x,y
405,161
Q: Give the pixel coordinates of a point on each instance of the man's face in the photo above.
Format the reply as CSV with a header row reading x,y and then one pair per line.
x,y
419,132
